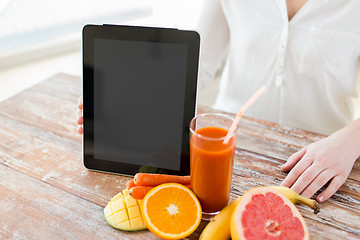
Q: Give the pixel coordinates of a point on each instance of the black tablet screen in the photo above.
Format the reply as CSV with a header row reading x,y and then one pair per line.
x,y
139,94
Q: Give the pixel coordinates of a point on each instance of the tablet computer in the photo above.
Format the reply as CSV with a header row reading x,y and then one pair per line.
x,y
139,95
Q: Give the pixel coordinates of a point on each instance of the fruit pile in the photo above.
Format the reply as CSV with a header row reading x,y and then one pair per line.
x,y
162,203
261,213
172,211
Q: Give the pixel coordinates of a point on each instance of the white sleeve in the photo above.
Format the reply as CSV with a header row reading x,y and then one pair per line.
x,y
214,33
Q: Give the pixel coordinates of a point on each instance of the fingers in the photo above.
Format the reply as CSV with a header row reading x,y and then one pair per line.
x,y
296,171
318,182
79,114
80,103
293,159
80,119
334,185
80,129
309,177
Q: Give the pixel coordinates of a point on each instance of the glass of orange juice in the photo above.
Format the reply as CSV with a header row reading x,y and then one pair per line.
x,y
211,161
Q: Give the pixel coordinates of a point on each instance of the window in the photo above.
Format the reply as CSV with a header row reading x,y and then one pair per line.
x,y
40,28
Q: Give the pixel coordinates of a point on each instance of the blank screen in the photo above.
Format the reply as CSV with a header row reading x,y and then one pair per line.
x,y
139,91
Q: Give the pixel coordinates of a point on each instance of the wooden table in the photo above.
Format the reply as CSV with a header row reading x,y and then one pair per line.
x,y
46,193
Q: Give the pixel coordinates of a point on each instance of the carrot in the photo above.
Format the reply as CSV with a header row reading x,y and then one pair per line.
x,y
130,184
139,192
149,179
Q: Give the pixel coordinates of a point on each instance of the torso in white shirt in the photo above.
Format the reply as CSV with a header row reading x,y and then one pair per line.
x,y
308,63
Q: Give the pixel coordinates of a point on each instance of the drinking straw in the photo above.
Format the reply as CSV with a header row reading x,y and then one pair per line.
x,y
241,112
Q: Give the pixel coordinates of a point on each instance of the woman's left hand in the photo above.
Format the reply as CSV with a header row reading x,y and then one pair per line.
x,y
330,159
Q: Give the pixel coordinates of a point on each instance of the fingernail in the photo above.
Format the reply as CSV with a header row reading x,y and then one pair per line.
x,y
321,198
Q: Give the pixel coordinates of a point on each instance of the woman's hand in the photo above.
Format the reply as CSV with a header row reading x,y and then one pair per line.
x,y
330,159
79,114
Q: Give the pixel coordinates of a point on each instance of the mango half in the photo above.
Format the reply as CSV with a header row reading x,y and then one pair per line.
x,y
124,212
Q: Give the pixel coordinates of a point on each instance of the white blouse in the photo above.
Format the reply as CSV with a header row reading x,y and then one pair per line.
x,y
309,63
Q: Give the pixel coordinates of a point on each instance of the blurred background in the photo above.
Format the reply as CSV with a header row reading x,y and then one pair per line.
x,y
40,38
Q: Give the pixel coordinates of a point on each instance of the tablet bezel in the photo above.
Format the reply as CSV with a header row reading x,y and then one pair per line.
x,y
147,34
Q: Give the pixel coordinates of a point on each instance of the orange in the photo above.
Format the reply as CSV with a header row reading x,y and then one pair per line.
x,y
264,213
171,211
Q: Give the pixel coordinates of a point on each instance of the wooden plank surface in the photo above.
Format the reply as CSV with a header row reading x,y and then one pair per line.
x,y
41,158
32,209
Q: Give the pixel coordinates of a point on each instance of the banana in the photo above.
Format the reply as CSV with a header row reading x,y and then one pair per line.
x,y
296,198
219,226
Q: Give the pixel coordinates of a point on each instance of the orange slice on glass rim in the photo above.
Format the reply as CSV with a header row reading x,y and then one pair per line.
x,y
171,211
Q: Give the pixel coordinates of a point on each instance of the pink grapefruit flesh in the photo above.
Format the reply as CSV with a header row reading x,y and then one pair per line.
x,y
264,213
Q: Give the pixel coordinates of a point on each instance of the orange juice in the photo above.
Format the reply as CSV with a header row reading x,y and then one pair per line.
x,y
211,167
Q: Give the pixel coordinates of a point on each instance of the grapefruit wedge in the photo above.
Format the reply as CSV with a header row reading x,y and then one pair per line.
x,y
264,213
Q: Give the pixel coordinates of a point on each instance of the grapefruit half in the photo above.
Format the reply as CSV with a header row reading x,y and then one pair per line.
x,y
264,213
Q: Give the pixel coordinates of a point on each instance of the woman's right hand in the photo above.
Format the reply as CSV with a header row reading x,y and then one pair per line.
x,y
79,113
